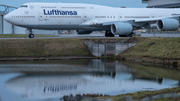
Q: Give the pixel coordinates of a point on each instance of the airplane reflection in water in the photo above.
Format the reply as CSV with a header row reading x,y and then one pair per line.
x,y
117,80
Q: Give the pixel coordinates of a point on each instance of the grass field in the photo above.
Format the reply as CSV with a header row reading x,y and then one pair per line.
x,y
43,47
159,48
154,50
155,47
144,94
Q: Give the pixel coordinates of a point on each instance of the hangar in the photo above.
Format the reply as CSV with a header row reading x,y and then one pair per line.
x,y
162,3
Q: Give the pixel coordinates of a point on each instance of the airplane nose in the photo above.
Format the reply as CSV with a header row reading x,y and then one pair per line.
x,y
7,17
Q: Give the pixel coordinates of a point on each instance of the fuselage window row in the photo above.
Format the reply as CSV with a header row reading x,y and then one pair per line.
x,y
105,17
23,16
80,17
74,7
64,16
47,7
100,16
46,16
136,16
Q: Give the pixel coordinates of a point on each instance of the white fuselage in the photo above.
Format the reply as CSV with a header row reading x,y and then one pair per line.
x,y
69,16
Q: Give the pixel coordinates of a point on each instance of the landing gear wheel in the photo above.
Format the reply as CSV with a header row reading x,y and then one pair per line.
x,y
31,35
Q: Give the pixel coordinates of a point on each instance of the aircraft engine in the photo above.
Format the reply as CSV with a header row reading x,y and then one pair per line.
x,y
120,28
83,32
167,24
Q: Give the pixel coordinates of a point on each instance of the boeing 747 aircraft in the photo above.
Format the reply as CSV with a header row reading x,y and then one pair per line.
x,y
85,18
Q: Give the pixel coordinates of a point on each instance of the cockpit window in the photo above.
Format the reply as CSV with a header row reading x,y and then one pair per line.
x,y
24,6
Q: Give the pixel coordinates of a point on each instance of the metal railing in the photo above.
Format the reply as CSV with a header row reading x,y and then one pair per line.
x,y
7,9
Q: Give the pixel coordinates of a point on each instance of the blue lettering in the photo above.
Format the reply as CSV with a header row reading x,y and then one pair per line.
x,y
75,13
63,13
70,13
57,12
53,11
45,12
50,12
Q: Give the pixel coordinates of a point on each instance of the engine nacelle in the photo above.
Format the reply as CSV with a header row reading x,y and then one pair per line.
x,y
120,28
167,24
83,32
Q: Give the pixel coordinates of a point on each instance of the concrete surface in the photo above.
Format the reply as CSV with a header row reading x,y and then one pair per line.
x,y
100,36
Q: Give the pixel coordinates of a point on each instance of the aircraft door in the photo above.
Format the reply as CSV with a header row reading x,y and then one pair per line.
x,y
58,6
84,17
40,17
120,17
152,16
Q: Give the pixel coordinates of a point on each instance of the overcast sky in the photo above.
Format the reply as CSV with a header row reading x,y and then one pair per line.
x,y
112,3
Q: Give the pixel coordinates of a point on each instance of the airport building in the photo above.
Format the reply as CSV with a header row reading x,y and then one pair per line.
x,y
162,3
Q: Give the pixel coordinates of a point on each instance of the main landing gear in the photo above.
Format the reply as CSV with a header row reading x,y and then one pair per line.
x,y
109,34
31,35
132,34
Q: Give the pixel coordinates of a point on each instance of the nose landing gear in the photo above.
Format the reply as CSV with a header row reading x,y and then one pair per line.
x,y
31,35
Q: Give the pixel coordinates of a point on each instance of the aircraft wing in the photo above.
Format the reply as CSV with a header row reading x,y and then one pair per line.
x,y
154,19
136,23
106,23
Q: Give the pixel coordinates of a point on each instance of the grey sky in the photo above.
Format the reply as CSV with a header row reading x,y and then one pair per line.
x,y
112,3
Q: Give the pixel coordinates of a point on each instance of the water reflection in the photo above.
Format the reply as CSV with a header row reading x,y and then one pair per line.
x,y
98,76
94,65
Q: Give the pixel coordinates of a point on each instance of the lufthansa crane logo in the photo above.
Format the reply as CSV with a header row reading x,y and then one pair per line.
x,y
31,7
26,12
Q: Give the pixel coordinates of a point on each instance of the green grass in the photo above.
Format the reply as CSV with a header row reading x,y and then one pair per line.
x,y
145,94
146,47
43,47
22,35
155,47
